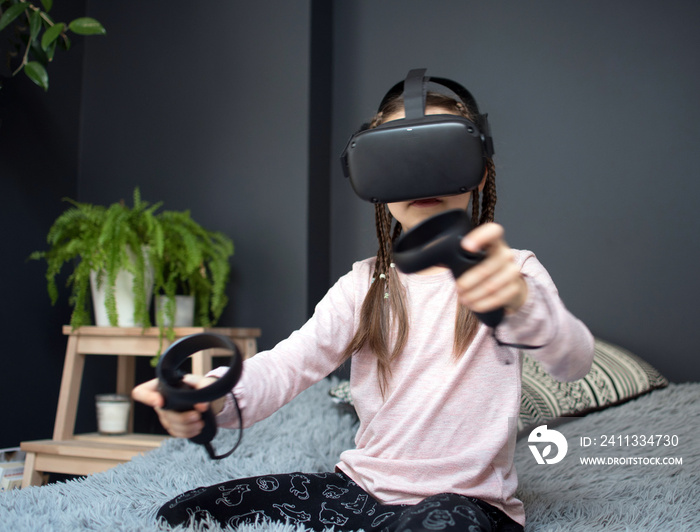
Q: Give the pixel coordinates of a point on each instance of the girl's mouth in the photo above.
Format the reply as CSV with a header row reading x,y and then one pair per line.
x,y
425,202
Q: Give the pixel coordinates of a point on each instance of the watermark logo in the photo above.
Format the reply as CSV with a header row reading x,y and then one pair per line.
x,y
552,438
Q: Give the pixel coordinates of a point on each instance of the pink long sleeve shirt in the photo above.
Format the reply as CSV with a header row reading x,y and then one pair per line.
x,y
444,424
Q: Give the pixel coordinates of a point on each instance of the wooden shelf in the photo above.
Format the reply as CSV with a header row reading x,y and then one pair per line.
x,y
83,455
91,453
143,440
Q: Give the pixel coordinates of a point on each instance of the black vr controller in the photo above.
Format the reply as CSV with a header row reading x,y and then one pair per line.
x,y
436,241
180,396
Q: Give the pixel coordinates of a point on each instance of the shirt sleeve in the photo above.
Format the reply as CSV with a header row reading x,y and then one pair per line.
x,y
272,378
564,345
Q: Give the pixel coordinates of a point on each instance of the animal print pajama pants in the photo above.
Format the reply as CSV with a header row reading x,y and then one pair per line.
x,y
324,500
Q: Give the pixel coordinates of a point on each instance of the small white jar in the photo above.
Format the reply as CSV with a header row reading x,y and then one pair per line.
x,y
112,413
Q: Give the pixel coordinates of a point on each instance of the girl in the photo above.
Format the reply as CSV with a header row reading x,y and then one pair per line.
x,y
436,394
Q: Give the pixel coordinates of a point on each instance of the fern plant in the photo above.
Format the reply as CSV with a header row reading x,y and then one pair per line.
x,y
105,240
186,259
195,262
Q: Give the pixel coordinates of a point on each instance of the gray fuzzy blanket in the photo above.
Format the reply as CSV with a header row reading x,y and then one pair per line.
x,y
309,434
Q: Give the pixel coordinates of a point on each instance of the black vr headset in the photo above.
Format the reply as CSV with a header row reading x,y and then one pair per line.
x,y
420,156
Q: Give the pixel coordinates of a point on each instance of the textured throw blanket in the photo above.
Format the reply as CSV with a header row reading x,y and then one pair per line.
x,y
310,433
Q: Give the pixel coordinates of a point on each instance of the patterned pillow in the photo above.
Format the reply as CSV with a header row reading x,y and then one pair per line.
x,y
615,377
340,393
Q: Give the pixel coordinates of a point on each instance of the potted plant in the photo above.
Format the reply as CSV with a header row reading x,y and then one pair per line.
x,y
195,263
167,253
104,243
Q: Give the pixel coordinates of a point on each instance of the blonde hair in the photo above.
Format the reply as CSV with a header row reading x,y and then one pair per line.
x,y
384,315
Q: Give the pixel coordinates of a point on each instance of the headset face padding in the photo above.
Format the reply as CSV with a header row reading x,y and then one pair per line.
x,y
419,156
179,397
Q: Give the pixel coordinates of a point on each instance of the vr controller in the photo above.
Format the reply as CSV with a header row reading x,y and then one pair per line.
x,y
180,396
437,241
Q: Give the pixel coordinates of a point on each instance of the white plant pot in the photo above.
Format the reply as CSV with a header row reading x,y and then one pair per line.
x,y
184,311
124,295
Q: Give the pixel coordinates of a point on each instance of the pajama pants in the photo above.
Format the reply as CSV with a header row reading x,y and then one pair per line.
x,y
323,500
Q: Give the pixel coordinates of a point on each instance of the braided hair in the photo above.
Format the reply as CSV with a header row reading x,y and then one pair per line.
x,y
384,316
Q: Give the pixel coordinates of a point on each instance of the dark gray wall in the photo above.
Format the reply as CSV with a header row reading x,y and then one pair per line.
x,y
595,117
207,110
38,166
225,111
203,109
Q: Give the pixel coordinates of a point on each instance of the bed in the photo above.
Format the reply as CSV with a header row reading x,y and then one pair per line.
x,y
599,417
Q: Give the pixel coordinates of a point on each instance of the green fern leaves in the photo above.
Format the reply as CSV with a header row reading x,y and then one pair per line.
x,y
186,258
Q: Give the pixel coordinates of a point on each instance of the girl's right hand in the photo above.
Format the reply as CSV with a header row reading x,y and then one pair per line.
x,y
496,282
178,424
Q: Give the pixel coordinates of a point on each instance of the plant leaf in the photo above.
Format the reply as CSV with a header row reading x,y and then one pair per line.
x,y
34,24
12,13
87,26
50,51
37,54
37,73
48,4
51,34
64,42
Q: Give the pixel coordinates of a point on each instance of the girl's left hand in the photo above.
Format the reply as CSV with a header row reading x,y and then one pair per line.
x,y
496,282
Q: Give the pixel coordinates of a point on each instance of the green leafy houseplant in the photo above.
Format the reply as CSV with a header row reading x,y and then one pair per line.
x,y
185,257
195,262
106,240
34,36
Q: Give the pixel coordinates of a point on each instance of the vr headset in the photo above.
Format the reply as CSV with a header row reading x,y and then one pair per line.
x,y
420,156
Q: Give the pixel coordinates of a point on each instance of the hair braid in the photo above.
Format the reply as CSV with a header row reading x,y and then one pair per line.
x,y
383,225
466,323
488,195
476,209
384,303
397,232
